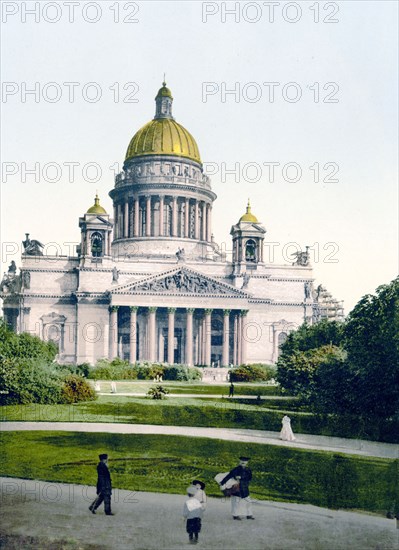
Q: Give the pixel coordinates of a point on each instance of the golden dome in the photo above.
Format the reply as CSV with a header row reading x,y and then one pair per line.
x,y
248,216
96,208
163,135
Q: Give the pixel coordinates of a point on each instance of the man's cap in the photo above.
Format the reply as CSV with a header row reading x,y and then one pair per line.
x,y
244,458
198,482
191,490
103,456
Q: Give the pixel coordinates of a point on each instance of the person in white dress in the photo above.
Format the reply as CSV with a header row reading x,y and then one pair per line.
x,y
286,433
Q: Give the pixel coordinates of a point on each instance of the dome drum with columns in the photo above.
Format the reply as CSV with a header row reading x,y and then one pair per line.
x,y
150,284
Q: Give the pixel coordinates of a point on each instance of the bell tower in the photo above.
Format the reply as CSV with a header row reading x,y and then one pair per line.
x,y
96,229
248,236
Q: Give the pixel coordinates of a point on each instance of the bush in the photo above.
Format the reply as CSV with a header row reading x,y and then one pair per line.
x,y
181,373
75,388
157,392
29,381
122,370
252,373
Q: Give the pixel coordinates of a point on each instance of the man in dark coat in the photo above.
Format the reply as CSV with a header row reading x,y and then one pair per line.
x,y
104,487
242,474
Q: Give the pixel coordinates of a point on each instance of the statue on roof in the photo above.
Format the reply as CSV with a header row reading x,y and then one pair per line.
x,y
32,247
302,258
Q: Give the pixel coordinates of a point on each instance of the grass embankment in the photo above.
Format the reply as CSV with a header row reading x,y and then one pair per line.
x,y
169,463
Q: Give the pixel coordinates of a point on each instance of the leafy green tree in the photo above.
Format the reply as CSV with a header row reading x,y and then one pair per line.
x,y
298,372
308,337
372,341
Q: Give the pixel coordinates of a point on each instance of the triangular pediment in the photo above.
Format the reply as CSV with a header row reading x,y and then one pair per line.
x,y
180,281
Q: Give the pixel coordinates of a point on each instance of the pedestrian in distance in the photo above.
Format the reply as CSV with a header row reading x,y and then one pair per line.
x,y
286,433
104,487
192,512
113,387
200,495
243,474
231,390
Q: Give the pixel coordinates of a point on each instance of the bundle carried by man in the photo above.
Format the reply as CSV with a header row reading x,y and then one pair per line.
x,y
231,487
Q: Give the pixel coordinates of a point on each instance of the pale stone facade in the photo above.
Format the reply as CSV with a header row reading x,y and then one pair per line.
x,y
150,284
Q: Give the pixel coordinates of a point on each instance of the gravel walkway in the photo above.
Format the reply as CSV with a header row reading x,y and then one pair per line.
x,y
39,515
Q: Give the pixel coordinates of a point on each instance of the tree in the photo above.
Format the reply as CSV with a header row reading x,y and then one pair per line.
x,y
308,337
299,372
372,341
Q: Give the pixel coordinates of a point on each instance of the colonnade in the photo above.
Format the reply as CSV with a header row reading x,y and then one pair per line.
x,y
162,216
152,335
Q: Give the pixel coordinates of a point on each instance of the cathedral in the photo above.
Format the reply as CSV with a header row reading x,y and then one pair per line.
x,y
149,283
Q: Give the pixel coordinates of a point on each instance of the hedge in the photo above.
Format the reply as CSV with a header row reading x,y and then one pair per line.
x,y
118,369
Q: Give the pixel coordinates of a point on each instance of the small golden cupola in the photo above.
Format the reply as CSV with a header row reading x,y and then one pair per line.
x,y
248,216
96,208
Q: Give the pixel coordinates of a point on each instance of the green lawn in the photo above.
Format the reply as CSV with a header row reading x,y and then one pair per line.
x,y
169,463
179,411
142,386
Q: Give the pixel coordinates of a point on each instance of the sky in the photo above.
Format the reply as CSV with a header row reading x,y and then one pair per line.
x,y
293,105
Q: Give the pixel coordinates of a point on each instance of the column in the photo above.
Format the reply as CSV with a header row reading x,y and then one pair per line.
x,y
120,227
196,225
226,337
148,217
152,333
126,220
171,335
239,340
187,219
235,326
161,207
113,332
209,223
174,217
203,341
203,228
208,333
133,334
136,216
189,336
199,343
131,218
243,314
115,227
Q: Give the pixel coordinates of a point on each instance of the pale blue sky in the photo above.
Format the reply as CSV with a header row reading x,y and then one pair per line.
x,y
359,133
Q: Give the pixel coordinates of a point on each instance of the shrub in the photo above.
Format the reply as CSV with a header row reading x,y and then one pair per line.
x,y
252,373
157,392
75,388
181,373
29,381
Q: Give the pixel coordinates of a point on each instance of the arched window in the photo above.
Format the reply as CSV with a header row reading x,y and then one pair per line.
x,y
96,244
250,251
